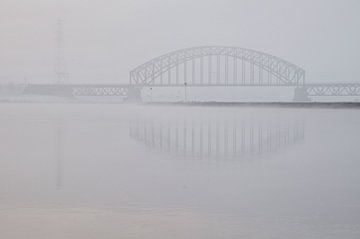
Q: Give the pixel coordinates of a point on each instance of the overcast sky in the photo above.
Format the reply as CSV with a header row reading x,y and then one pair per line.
x,y
105,39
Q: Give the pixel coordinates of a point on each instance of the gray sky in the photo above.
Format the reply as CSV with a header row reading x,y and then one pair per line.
x,y
105,39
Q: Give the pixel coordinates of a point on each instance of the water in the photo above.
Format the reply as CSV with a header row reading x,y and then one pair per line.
x,y
133,171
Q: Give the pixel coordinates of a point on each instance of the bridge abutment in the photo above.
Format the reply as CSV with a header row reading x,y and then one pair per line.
x,y
134,94
301,95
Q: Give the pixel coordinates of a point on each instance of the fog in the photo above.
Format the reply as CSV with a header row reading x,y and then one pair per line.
x,y
131,171
201,147
104,40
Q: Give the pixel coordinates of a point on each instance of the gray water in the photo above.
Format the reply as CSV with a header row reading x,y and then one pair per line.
x,y
140,171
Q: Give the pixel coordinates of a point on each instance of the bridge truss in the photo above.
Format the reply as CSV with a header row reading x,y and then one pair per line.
x,y
217,66
100,90
335,89
81,90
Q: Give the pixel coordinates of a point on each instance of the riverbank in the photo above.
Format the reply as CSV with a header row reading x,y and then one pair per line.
x,y
267,104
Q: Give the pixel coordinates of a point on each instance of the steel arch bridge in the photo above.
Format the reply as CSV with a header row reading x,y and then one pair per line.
x,y
201,67
217,66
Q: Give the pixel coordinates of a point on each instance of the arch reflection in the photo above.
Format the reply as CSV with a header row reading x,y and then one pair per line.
x,y
217,138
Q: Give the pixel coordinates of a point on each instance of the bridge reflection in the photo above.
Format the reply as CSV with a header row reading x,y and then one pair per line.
x,y
216,138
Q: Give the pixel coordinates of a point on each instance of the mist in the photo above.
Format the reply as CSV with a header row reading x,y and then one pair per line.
x,y
179,119
80,171
104,40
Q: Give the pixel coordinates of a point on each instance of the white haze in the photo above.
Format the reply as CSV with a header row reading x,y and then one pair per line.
x,y
105,39
98,167
130,171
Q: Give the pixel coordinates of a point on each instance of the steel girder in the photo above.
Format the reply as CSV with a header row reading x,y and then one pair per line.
x,y
286,72
100,91
335,89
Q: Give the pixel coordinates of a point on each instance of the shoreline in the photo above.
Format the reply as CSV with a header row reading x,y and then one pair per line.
x,y
265,104
205,104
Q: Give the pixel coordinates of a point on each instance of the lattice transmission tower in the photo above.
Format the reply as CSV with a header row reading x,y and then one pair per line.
x,y
61,74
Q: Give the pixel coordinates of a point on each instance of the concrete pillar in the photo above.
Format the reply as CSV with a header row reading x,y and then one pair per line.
x,y
301,94
134,94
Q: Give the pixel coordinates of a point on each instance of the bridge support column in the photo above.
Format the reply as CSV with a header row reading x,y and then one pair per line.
x,y
301,94
134,94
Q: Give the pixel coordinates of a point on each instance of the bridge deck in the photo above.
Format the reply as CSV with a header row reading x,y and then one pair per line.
x,y
124,90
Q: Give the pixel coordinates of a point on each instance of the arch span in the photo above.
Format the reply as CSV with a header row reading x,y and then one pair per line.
x,y
218,66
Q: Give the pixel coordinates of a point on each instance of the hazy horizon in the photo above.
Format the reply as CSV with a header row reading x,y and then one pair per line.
x,y
212,142
104,40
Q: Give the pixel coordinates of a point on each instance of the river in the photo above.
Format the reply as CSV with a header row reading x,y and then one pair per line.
x,y
166,171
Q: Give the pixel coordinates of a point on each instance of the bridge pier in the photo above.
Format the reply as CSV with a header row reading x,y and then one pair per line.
x,y
134,94
301,94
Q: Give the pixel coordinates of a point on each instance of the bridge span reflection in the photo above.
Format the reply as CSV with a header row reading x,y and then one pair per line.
x,y
233,138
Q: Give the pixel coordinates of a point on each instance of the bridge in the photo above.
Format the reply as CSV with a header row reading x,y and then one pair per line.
x,y
217,66
208,66
73,90
331,89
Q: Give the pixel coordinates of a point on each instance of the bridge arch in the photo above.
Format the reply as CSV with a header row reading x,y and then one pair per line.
x,y
217,66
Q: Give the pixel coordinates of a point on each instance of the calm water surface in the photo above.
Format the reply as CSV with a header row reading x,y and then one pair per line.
x,y
133,171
